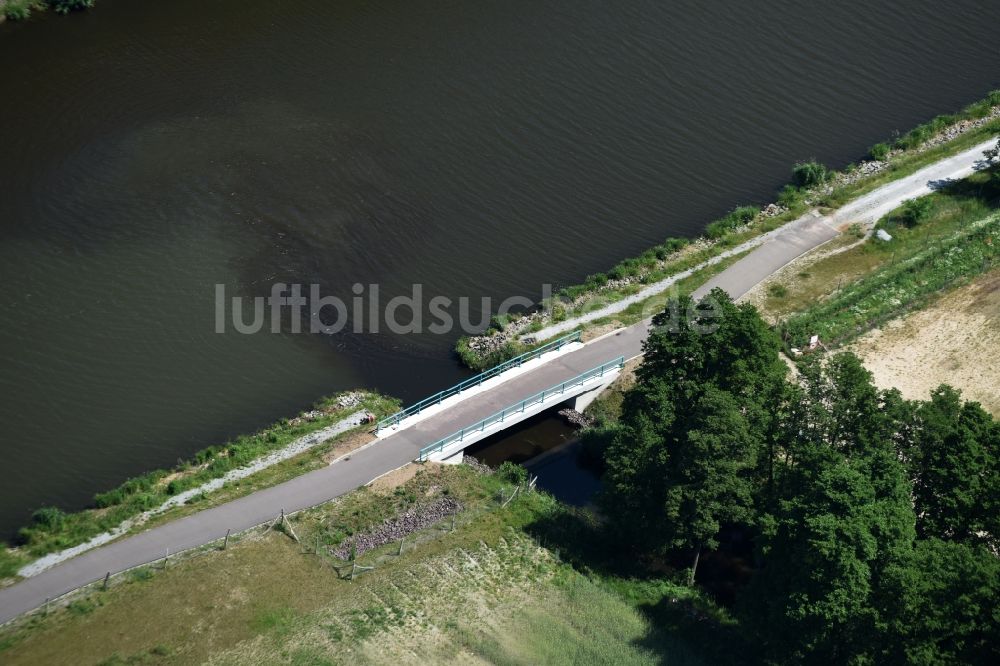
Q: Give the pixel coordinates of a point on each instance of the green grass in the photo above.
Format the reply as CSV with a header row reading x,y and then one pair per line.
x,y
52,530
578,621
955,239
493,588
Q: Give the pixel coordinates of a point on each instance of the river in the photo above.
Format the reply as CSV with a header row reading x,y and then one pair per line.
x,y
152,150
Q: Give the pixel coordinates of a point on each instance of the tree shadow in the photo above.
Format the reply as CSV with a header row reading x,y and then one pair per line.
x,y
684,627
941,184
987,192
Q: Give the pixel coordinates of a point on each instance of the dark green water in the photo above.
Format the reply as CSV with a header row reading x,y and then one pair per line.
x,y
149,150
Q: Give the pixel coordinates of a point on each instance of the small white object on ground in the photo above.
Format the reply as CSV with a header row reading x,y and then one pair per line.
x,y
883,235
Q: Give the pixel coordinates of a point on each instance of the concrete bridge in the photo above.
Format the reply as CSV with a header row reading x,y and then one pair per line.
x,y
577,391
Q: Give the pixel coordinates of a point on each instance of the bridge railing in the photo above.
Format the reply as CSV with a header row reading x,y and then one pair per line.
x,y
536,399
478,380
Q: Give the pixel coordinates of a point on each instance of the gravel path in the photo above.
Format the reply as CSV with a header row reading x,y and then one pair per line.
x,y
777,248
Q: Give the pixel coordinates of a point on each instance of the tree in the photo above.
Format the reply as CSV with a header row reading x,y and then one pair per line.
x,y
826,549
946,608
841,521
714,343
683,461
954,468
709,476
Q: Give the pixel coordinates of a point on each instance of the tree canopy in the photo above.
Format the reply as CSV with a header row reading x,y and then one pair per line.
x,y
873,516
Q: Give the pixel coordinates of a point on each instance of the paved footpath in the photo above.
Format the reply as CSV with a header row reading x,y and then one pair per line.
x,y
400,448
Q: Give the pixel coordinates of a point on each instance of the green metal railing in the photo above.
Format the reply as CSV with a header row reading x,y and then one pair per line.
x,y
478,380
536,399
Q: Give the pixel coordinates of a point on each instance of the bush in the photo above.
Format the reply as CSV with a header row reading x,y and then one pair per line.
x,y
777,290
596,281
512,473
19,10
809,174
879,151
593,443
789,196
67,6
914,211
740,216
49,517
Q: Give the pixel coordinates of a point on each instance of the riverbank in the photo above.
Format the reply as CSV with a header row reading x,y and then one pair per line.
x,y
212,476
22,10
638,279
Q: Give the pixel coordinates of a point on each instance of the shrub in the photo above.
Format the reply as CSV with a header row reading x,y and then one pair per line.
x,y
978,110
789,196
740,216
879,151
512,473
498,321
49,517
18,10
67,6
593,443
914,211
109,498
809,174
675,244
777,290
596,281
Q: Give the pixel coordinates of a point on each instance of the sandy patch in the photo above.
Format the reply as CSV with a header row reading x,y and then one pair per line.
x,y
386,483
597,331
954,341
345,445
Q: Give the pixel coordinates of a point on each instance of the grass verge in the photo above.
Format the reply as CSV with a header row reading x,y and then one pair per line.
x,y
956,237
515,583
52,530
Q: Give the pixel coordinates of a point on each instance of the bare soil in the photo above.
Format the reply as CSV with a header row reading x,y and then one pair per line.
x,y
955,341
